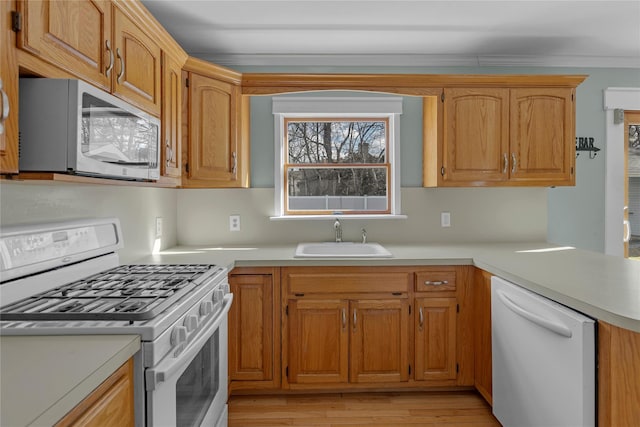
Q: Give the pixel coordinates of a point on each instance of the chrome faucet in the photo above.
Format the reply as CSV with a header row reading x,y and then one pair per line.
x,y
338,228
364,236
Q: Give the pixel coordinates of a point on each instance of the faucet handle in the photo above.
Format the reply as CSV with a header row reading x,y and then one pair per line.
x,y
364,235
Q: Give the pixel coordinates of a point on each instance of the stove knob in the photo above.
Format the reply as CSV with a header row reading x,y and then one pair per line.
x,y
178,335
218,296
206,307
191,322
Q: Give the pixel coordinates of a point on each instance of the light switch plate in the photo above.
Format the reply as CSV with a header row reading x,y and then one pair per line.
x,y
234,222
445,219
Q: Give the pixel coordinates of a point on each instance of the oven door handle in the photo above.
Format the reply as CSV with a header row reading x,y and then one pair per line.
x,y
168,367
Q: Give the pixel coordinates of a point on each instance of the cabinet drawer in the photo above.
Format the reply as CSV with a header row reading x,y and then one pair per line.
x,y
345,279
435,281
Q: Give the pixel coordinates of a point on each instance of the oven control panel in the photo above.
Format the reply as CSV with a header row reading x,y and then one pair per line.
x,y
31,250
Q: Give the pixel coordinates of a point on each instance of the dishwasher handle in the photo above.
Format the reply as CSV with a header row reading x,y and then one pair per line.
x,y
534,318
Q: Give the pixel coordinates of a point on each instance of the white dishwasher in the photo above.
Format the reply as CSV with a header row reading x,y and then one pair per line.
x,y
543,360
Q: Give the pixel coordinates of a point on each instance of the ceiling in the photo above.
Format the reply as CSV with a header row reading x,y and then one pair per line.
x,y
405,33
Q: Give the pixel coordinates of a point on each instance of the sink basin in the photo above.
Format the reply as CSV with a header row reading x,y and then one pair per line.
x,y
341,250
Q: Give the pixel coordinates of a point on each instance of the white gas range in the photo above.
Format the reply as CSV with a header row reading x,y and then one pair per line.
x,y
64,279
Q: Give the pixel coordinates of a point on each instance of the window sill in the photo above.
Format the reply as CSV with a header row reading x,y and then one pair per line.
x,y
333,217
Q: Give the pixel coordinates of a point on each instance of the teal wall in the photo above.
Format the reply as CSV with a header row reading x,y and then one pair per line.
x,y
575,214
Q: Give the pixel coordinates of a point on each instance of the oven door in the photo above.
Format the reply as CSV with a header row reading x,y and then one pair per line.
x,y
191,388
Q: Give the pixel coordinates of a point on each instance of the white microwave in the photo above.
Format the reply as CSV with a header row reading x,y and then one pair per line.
x,y
70,126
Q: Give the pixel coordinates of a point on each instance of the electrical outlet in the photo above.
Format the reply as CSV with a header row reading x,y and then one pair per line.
x,y
234,222
159,226
445,219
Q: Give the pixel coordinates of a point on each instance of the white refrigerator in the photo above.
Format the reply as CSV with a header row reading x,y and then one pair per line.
x,y
543,360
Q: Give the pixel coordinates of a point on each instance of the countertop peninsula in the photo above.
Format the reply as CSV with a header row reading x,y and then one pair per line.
x,y
604,287
44,377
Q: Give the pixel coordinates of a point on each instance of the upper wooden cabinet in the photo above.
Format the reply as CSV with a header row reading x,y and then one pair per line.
x,y
171,153
215,141
8,94
72,35
96,41
501,136
137,64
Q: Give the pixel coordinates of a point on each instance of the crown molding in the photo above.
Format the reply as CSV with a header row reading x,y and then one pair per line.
x,y
417,60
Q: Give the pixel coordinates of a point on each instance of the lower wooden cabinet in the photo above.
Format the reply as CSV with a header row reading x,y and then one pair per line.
x,y
326,328
435,338
110,405
482,333
348,341
318,347
254,333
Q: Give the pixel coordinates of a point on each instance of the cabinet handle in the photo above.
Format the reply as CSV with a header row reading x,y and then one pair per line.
x,y
421,317
355,319
344,318
5,108
436,282
169,153
107,71
505,163
513,162
234,165
121,73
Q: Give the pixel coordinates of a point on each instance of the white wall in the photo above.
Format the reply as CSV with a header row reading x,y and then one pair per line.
x,y
137,208
477,215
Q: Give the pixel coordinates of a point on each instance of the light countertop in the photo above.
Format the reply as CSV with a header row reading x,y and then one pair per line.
x,y
604,287
44,377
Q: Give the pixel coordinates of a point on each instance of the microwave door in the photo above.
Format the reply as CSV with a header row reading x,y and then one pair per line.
x,y
115,142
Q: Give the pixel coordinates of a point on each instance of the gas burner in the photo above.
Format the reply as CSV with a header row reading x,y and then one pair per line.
x,y
126,292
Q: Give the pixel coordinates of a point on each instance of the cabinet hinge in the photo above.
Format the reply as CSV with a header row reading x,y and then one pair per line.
x,y
442,171
457,368
186,82
442,96
16,21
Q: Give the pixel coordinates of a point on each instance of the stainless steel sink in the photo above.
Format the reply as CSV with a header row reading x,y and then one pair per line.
x,y
341,250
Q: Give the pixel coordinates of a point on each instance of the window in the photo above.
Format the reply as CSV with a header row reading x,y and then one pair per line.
x,y
337,156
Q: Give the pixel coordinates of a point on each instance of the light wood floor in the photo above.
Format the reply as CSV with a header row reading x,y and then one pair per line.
x,y
362,409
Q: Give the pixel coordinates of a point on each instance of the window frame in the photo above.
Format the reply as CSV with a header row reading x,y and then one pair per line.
x,y
296,108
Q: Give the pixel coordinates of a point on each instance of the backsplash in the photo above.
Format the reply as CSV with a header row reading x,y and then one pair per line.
x,y
477,215
136,207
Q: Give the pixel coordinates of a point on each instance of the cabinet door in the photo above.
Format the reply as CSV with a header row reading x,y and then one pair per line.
x,y
171,117
542,134
8,95
435,335
476,132
213,126
110,405
482,330
379,341
73,35
137,64
318,341
251,321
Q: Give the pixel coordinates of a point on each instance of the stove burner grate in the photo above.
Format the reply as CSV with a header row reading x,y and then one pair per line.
x,y
126,292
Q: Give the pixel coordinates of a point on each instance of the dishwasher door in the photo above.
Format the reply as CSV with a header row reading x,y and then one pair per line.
x,y
543,360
